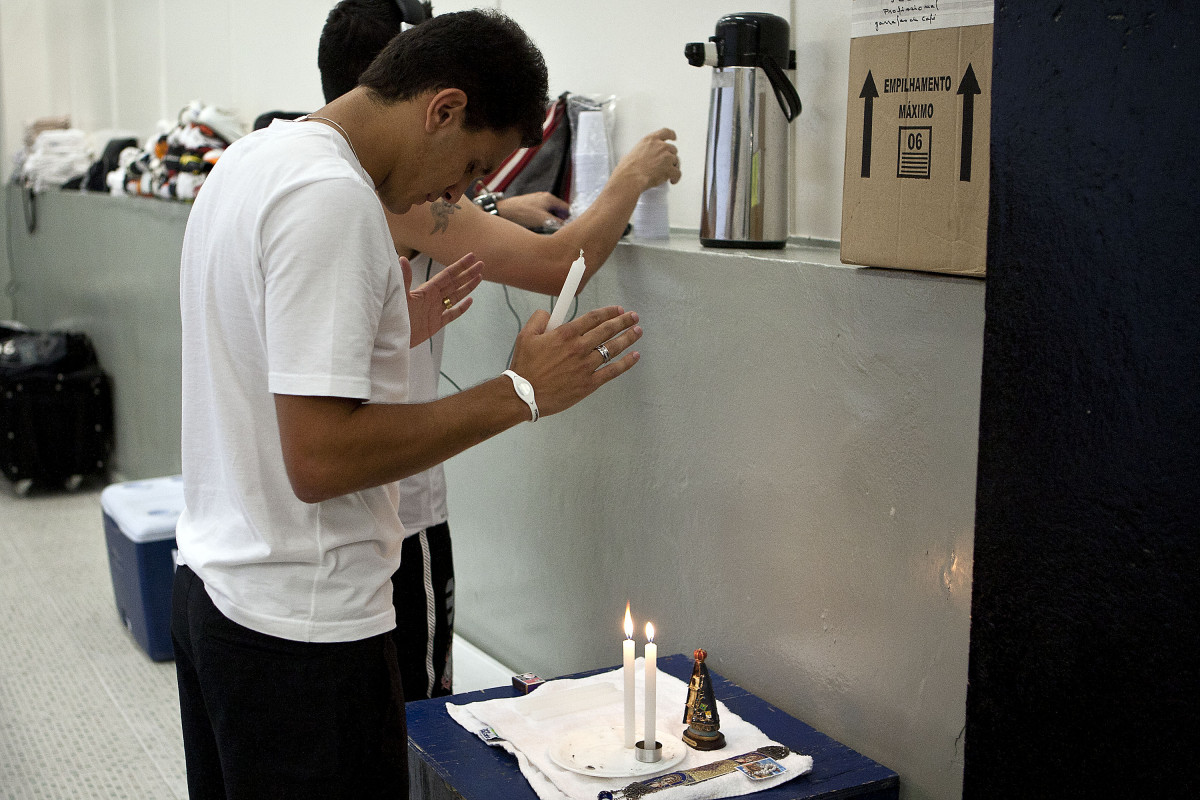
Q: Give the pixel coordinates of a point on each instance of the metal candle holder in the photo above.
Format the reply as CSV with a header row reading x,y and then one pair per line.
x,y
648,755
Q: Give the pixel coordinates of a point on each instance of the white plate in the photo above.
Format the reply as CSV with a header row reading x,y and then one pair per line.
x,y
601,752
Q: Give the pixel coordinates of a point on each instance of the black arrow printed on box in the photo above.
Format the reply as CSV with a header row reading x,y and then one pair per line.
x,y
968,88
868,94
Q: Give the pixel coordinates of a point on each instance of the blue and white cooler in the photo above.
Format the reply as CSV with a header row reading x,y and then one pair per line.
x,y
139,527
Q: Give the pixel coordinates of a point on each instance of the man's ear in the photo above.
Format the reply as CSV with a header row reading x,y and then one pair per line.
x,y
444,108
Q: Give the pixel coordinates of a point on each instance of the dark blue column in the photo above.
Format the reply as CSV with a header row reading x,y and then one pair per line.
x,y
1083,669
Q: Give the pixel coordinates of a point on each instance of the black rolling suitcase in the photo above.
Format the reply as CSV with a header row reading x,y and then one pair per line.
x,y
56,410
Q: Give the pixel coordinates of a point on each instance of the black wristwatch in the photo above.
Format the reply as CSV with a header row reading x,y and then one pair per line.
x,y
487,201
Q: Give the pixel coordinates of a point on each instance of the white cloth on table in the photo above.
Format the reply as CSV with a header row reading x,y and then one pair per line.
x,y
530,725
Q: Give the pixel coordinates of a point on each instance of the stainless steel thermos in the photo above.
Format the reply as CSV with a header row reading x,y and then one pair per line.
x,y
746,158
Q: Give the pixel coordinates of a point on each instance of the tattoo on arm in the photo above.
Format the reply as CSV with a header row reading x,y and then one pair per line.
x,y
441,211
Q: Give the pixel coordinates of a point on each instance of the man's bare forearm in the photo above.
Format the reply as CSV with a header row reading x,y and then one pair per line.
x,y
334,446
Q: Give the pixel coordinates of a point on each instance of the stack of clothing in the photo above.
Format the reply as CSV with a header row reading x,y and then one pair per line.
x,y
174,164
55,157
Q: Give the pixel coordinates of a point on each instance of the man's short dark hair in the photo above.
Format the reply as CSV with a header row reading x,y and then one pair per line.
x,y
354,33
481,52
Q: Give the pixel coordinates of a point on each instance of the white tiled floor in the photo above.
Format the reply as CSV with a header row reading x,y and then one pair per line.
x,y
84,713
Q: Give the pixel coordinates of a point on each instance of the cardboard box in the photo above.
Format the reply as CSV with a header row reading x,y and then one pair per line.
x,y
917,136
139,529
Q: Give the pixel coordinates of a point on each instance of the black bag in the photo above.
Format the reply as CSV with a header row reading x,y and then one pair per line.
x,y
56,410
543,168
96,178
267,117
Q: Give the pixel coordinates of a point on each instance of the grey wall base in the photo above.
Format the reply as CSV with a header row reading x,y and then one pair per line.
x,y
787,479
109,266
6,309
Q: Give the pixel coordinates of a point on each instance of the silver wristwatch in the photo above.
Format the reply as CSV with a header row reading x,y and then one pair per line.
x,y
487,201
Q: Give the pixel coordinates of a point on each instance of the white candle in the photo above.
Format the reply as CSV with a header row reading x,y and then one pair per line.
x,y
651,688
630,721
570,286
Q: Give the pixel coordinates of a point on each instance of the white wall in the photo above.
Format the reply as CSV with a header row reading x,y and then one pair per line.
x,y
598,49
126,64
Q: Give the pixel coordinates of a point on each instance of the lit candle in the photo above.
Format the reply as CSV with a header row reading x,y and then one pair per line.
x,y
630,722
651,680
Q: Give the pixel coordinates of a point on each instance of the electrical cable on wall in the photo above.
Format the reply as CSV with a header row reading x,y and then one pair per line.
x,y
428,277
511,308
508,302
11,288
29,206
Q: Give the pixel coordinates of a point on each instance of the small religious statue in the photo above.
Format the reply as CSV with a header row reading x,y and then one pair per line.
x,y
700,712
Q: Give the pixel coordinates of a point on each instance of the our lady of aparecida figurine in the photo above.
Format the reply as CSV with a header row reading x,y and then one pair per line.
x,y
700,712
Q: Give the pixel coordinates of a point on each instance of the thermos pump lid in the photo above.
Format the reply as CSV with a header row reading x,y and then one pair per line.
x,y
742,40
752,40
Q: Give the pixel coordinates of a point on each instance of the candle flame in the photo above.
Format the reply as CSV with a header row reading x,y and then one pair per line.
x,y
628,623
649,631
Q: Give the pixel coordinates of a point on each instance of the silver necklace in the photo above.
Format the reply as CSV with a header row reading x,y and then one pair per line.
x,y
345,135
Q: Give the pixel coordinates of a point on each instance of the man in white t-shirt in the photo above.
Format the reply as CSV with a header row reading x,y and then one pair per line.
x,y
423,588
297,326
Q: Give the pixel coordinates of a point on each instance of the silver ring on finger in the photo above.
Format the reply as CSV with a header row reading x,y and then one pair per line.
x,y
603,351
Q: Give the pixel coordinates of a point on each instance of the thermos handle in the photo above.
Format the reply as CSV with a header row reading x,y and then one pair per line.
x,y
785,93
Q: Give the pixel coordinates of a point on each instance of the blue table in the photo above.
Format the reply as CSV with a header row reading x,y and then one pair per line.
x,y
446,762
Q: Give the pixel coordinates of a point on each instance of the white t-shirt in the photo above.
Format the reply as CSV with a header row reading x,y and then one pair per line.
x,y
423,496
289,284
